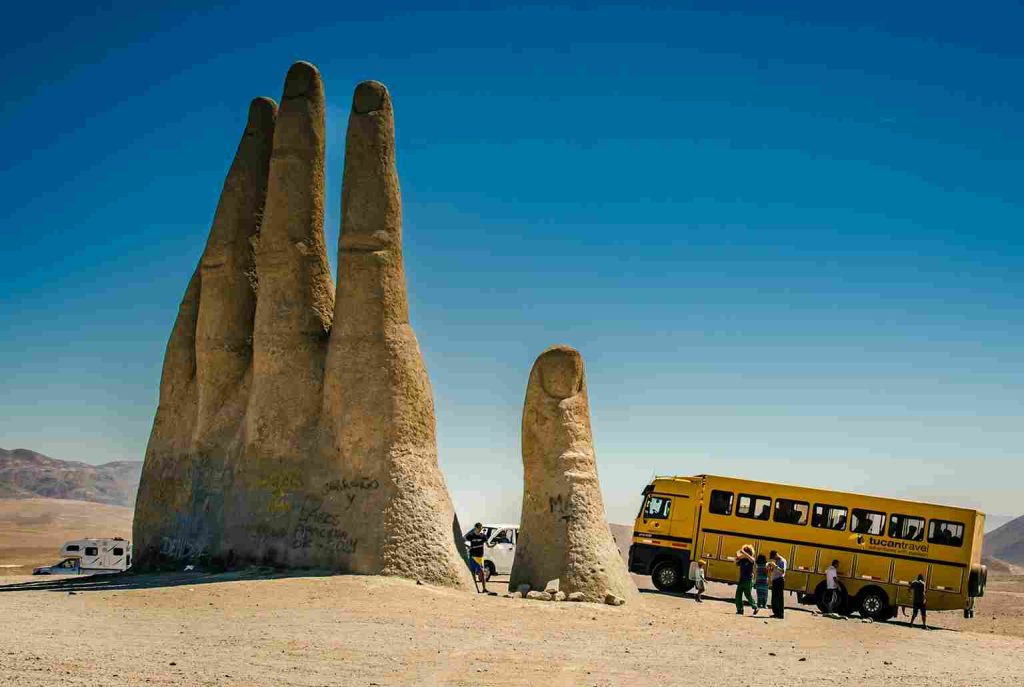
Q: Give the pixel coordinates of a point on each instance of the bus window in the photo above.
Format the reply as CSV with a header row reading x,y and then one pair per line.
x,y
91,551
867,522
757,507
829,517
945,532
791,512
657,507
906,527
721,502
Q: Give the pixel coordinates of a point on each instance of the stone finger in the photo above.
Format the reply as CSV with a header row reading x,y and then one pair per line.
x,y
295,299
378,412
164,499
224,330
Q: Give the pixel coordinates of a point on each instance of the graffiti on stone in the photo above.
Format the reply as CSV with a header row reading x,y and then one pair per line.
x,y
320,528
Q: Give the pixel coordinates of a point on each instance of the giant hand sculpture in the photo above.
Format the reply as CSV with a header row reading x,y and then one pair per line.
x,y
296,424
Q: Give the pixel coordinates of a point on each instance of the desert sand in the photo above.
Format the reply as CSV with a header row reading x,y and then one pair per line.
x,y
246,629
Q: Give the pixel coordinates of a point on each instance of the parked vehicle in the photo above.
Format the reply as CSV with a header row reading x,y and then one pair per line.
x,y
682,519
91,556
68,566
501,549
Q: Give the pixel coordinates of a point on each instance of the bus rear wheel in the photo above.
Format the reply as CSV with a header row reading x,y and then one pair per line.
x,y
667,576
830,601
874,603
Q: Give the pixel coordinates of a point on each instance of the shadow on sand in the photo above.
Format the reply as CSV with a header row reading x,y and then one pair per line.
x,y
766,613
129,580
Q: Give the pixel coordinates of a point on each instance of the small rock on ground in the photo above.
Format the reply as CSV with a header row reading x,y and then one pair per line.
x,y
613,600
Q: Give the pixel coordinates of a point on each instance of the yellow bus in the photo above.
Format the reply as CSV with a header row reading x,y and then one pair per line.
x,y
881,544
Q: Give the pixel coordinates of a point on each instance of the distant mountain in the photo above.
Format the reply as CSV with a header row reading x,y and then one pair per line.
x,y
994,522
1007,542
27,474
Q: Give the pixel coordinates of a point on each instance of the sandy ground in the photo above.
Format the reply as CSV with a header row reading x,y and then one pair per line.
x,y
245,629
33,530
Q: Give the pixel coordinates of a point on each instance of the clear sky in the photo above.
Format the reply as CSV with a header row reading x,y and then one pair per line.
x,y
789,243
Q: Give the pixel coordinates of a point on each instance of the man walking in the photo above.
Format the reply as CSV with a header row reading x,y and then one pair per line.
x,y
917,588
475,539
778,575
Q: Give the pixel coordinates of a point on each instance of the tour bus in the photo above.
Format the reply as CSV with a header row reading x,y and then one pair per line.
x,y
881,544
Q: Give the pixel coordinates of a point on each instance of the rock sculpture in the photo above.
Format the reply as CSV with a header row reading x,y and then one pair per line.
x,y
563,533
296,422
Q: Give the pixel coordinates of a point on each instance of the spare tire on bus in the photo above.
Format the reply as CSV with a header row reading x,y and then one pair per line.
x,y
668,576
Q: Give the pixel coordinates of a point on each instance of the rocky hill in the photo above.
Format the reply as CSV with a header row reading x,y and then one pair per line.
x,y
27,474
1007,542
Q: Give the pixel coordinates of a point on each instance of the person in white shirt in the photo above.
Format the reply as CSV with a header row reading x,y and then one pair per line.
x,y
777,569
832,586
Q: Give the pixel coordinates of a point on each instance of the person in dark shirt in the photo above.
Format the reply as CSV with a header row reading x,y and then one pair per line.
x,y
745,561
475,540
918,588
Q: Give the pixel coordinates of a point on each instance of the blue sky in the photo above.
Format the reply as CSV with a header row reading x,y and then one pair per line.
x,y
788,243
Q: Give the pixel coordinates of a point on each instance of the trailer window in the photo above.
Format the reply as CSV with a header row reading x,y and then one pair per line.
x,y
72,547
756,507
91,551
658,507
792,512
945,532
829,517
721,502
118,552
867,521
906,527
502,537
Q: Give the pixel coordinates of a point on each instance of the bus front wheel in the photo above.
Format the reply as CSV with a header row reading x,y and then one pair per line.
x,y
873,603
667,576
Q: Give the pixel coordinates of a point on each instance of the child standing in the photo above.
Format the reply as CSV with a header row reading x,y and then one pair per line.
x,y
699,582
761,581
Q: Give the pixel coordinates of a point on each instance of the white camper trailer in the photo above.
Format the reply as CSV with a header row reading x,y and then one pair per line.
x,y
90,556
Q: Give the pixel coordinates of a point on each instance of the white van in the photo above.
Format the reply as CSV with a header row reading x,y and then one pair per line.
x,y
501,549
89,556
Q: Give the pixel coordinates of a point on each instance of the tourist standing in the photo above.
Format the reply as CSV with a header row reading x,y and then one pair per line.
x,y
918,589
745,562
777,570
832,587
761,581
699,582
475,539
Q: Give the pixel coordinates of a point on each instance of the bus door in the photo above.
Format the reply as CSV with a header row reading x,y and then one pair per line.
x,y
946,578
724,566
825,558
904,572
801,565
873,568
